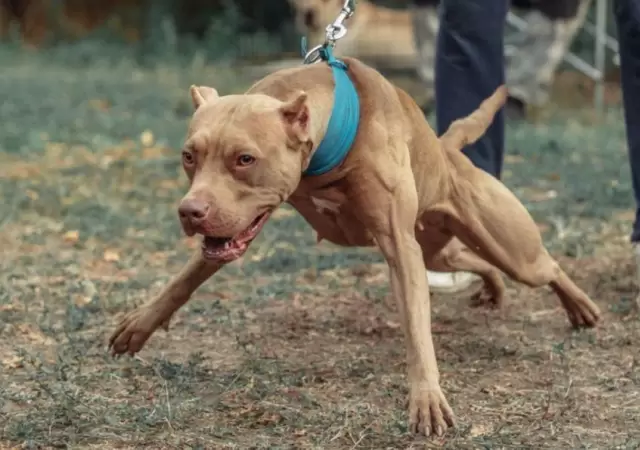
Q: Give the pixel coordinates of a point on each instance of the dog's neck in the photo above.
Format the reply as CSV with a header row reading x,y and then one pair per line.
x,y
320,114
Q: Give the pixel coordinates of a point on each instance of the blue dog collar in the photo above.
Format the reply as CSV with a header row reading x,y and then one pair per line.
x,y
343,123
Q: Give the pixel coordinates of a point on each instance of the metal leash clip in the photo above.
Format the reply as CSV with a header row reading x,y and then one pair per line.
x,y
334,31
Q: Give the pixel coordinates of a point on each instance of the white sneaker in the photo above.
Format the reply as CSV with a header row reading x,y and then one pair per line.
x,y
451,282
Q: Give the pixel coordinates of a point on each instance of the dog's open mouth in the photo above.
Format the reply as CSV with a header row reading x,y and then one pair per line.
x,y
227,249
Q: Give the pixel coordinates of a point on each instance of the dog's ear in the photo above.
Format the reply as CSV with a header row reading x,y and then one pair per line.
x,y
202,94
295,114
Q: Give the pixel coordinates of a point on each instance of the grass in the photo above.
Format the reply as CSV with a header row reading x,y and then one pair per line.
x,y
296,345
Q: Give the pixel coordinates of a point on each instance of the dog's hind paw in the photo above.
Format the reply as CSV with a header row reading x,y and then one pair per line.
x,y
491,295
485,298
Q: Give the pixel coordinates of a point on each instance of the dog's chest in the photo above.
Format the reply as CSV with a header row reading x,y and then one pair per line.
x,y
328,212
326,206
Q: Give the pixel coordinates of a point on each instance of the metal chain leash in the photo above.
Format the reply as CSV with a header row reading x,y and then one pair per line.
x,y
334,32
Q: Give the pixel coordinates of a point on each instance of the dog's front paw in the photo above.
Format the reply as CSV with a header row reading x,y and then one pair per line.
x,y
134,330
429,411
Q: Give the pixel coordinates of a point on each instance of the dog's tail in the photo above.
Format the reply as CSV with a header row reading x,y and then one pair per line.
x,y
467,130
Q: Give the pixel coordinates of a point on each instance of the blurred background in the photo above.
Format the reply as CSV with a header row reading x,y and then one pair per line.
x,y
243,34
214,30
160,26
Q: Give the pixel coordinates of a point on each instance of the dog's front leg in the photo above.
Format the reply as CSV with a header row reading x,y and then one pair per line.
x,y
429,411
392,221
138,325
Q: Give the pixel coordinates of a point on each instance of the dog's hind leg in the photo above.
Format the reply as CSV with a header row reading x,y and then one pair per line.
x,y
444,253
492,222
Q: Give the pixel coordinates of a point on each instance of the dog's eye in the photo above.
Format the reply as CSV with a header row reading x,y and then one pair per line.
x,y
245,160
187,158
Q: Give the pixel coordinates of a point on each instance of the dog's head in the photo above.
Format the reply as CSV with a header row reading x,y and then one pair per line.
x,y
244,156
313,16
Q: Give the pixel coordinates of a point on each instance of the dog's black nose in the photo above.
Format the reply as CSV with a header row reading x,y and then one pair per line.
x,y
309,19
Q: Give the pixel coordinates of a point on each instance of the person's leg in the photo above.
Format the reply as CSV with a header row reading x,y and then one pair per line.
x,y
627,15
469,67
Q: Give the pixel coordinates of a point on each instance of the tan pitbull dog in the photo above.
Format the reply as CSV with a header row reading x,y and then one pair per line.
x,y
400,188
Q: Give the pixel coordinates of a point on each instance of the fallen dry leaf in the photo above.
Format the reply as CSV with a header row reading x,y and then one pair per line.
x,y
553,176
513,159
54,150
392,325
82,300
540,196
477,430
33,195
12,362
9,307
33,335
111,255
627,215
99,104
71,236
146,138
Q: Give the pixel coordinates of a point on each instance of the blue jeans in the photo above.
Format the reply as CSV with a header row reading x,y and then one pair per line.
x,y
470,66
627,15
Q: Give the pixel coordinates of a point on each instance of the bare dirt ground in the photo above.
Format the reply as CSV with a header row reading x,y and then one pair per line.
x,y
296,345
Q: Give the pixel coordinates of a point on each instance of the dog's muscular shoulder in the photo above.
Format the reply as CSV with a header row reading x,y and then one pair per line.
x,y
392,133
